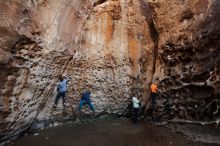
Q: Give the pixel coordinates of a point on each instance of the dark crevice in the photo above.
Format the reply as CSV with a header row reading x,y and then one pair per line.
x,y
155,37
99,2
147,12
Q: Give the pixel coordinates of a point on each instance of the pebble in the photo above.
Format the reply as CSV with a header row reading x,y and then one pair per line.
x,y
36,134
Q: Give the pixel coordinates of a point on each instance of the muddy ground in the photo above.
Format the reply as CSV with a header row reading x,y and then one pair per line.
x,y
108,133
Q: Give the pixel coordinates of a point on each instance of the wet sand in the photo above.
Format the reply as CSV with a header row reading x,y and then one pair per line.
x,y
107,133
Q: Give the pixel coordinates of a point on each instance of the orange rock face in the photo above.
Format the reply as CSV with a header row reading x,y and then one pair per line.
x,y
112,47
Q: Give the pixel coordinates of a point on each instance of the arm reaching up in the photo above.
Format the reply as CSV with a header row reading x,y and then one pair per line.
x,y
66,77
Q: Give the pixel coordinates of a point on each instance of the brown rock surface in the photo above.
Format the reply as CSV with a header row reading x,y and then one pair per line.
x,y
188,58
113,47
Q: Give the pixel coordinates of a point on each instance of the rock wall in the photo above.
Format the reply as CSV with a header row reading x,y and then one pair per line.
x,y
188,59
98,44
37,40
112,47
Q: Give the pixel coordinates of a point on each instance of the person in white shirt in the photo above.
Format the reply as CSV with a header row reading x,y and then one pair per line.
x,y
136,107
61,89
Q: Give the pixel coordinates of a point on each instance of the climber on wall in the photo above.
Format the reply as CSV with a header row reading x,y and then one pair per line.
x,y
136,108
86,100
153,94
61,89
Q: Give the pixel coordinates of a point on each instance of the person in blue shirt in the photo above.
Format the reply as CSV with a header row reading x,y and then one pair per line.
x,y
86,100
61,89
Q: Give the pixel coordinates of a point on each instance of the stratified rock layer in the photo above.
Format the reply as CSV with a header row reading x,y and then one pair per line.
x,y
112,47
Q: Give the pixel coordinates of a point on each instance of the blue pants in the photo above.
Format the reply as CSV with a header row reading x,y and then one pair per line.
x,y
82,102
60,94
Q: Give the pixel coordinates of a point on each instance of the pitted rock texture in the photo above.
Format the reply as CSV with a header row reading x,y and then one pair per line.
x,y
35,49
112,47
98,44
188,59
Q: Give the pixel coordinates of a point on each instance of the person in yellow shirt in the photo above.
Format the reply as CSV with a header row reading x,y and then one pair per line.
x,y
154,90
